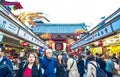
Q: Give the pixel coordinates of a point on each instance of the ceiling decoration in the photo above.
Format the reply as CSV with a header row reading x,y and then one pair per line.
x,y
30,18
70,41
46,36
80,31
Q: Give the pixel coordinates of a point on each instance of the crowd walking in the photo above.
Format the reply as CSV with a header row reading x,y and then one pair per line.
x,y
61,65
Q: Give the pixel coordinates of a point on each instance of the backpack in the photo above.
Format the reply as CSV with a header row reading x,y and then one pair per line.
x,y
99,71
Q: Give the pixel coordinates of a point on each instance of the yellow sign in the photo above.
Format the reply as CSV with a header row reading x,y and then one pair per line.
x,y
96,50
114,49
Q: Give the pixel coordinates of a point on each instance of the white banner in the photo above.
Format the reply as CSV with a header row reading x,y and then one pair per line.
x,y
8,26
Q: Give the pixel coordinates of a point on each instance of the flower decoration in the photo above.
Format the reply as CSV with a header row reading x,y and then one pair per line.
x,y
80,31
70,41
46,36
30,17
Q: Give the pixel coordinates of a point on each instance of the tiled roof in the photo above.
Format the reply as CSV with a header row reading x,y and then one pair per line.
x,y
57,28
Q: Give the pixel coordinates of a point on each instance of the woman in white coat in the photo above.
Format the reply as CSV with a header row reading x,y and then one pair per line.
x,y
91,71
72,66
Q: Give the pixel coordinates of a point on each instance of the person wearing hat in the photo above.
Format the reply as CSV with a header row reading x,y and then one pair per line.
x,y
6,67
48,64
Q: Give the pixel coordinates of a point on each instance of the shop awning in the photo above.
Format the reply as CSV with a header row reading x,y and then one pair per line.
x,y
13,3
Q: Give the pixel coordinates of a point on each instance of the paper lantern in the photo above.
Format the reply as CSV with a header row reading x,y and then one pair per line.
x,y
100,43
24,44
80,48
76,34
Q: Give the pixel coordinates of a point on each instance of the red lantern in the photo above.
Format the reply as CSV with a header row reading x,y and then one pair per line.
x,y
24,44
76,34
80,48
100,43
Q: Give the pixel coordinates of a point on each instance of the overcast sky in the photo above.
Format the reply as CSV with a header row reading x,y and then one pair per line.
x,y
72,11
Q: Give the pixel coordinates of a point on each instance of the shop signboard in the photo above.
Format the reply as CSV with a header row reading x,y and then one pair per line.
x,y
96,50
99,34
116,25
103,32
23,34
1,37
114,49
8,26
3,10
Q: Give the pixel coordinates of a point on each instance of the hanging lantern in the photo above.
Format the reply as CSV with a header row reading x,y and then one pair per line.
x,y
80,48
76,34
100,43
24,44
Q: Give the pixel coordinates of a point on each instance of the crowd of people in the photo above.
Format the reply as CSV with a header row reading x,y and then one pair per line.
x,y
60,65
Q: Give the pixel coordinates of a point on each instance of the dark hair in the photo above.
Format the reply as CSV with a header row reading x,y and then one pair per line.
x,y
71,55
96,54
88,52
58,59
91,58
2,48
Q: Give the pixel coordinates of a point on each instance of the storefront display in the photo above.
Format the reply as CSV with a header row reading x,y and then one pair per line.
x,y
114,49
96,50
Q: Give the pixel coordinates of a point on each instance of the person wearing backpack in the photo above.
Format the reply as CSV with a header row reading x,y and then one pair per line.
x,y
6,67
72,66
91,71
94,69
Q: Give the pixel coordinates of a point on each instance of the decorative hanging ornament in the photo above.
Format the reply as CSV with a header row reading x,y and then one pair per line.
x,y
24,44
100,43
76,34
80,48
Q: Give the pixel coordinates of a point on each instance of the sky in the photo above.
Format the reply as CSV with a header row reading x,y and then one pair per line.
x,y
72,11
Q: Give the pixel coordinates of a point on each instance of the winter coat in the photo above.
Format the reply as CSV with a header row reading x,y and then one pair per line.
x,y
48,67
80,66
101,63
110,66
7,70
91,69
60,71
73,71
86,63
36,71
